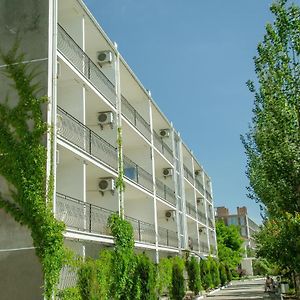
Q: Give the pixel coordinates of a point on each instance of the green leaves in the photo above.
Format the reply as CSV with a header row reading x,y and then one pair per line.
x,y
22,128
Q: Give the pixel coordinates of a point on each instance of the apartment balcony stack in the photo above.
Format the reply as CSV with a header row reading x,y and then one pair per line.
x,y
92,91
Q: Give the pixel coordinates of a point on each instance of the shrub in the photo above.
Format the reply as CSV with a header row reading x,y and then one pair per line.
x,y
214,271
164,276
70,294
193,270
228,273
177,292
205,274
223,275
145,278
87,281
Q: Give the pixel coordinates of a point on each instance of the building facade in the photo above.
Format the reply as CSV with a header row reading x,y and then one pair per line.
x,y
92,94
247,229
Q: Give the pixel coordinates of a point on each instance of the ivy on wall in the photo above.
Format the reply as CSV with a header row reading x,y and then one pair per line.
x,y
23,166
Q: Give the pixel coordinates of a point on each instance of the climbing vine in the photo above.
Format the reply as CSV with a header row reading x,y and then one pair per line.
x,y
23,166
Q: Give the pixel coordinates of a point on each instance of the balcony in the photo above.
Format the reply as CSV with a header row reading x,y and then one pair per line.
x,y
82,216
165,193
79,59
162,147
137,174
143,232
210,223
201,217
87,217
78,134
188,174
199,186
203,247
129,112
208,195
167,237
191,209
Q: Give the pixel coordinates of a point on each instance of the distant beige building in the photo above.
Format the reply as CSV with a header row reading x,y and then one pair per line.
x,y
247,229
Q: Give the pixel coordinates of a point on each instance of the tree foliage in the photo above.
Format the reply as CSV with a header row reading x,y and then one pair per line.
x,y
193,269
272,144
23,160
229,244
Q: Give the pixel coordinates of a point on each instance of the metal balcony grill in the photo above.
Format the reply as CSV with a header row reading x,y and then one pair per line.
x,y
208,195
190,209
135,119
143,232
164,192
78,134
188,174
167,237
210,223
82,216
201,217
199,186
80,60
136,173
162,147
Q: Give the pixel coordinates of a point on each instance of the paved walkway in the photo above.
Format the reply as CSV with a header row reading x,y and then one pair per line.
x,y
243,290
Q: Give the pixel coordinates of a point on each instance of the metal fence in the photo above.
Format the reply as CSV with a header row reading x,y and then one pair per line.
x,y
79,215
204,247
164,192
191,209
68,277
201,217
135,119
167,237
188,174
208,195
79,59
75,132
134,172
143,232
210,223
162,147
199,186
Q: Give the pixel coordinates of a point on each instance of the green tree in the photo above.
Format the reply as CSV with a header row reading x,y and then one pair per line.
x,y
177,292
223,275
229,244
272,143
193,269
205,273
214,271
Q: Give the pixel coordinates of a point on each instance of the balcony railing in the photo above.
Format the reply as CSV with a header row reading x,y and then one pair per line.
x,y
199,186
191,209
135,119
164,192
201,217
188,174
75,132
162,147
208,195
79,59
167,237
210,223
136,173
143,232
203,247
83,216
87,217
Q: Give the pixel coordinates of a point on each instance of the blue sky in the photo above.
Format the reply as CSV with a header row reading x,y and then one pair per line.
x,y
195,56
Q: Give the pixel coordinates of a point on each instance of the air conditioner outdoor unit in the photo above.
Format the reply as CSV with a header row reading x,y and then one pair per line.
x,y
104,57
167,172
170,214
200,200
164,133
197,172
106,184
201,229
105,118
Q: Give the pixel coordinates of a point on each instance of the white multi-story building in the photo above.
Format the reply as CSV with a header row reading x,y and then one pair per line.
x,y
92,92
